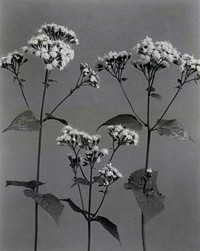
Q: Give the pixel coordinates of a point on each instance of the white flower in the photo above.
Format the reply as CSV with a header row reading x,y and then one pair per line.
x,y
157,54
72,137
113,60
12,60
149,170
123,135
104,151
110,174
59,32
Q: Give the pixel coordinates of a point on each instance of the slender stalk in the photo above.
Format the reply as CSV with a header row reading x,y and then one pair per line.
x,y
39,159
166,109
143,232
101,203
130,104
21,88
89,209
66,97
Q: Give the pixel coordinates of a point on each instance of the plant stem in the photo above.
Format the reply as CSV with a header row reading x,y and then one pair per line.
x,y
21,88
89,209
128,100
143,232
150,84
39,158
66,97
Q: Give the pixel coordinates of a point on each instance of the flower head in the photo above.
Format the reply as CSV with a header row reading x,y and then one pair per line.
x,y
58,32
123,135
158,54
113,61
56,54
110,174
90,77
190,64
73,137
12,60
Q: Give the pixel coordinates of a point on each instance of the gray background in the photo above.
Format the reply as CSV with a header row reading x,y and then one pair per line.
x,y
101,26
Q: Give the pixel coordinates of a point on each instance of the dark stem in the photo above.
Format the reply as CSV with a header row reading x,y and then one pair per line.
x,y
143,232
77,86
166,109
89,209
101,203
39,158
150,84
21,88
129,102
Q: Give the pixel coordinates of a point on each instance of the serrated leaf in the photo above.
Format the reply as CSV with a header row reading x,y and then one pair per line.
x,y
127,120
25,121
173,129
156,96
149,199
150,204
109,226
49,116
29,184
50,203
80,181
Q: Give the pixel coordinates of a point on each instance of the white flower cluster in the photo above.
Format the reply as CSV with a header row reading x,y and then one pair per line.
x,y
91,78
123,135
187,62
12,60
94,154
155,54
110,174
113,60
74,137
52,44
58,32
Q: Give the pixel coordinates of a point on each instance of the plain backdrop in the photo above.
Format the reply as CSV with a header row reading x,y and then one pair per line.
x,y
101,26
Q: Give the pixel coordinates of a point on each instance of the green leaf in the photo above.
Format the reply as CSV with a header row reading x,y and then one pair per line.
x,y
173,129
49,116
109,226
25,121
50,203
29,184
80,181
127,120
156,96
149,199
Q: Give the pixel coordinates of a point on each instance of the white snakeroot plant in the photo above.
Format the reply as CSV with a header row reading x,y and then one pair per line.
x,y
152,56
85,155
53,44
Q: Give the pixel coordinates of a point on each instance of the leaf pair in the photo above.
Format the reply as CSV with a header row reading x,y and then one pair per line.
x,y
106,223
151,202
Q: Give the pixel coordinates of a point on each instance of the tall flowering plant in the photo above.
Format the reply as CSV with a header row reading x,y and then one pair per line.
x,y
84,157
153,56
53,44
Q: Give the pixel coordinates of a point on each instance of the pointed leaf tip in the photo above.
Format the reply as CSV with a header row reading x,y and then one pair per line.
x,y
127,120
29,184
25,121
109,226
